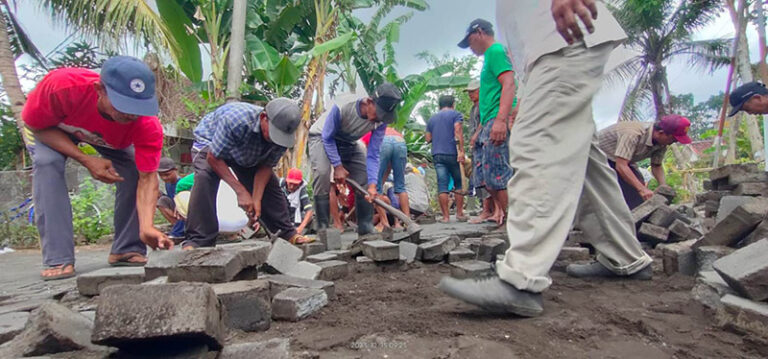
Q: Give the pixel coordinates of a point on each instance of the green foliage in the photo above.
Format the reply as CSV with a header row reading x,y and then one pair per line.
x,y
92,211
703,115
173,16
18,233
11,144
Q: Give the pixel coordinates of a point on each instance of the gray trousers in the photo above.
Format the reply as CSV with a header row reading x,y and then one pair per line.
x,y
559,168
53,210
202,226
352,158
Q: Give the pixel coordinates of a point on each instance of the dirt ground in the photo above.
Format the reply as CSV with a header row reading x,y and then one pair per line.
x,y
404,315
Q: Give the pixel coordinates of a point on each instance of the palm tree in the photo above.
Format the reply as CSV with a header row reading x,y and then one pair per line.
x,y
660,31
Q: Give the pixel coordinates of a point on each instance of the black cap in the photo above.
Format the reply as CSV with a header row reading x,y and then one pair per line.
x,y
743,93
386,96
477,24
166,164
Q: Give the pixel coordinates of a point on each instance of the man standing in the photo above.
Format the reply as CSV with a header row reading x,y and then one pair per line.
x,y
751,98
299,205
250,140
476,182
165,204
114,112
558,165
627,142
333,144
497,99
442,131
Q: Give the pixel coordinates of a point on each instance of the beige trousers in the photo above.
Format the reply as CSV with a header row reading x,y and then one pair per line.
x,y
559,169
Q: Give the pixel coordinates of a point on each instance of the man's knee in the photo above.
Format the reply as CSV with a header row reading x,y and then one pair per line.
x,y
48,158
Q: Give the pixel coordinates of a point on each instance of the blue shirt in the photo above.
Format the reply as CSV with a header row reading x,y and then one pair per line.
x,y
443,133
178,227
232,133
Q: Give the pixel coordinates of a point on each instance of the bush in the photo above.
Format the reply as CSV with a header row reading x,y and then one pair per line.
x,y
93,211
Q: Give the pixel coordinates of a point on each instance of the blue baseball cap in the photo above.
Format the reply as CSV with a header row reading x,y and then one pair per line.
x,y
130,86
743,93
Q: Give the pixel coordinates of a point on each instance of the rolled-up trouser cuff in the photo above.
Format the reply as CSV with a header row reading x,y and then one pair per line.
x,y
628,269
520,280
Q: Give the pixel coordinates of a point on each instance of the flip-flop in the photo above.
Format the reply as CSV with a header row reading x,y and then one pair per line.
x,y
299,239
59,276
125,261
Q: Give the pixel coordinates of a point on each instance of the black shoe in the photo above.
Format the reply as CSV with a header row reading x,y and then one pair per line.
x,y
493,295
597,270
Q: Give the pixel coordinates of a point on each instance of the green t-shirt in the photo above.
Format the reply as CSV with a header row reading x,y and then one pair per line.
x,y
185,183
495,63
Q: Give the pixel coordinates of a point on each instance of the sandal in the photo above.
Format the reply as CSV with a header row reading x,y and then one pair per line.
x,y
63,273
300,239
126,260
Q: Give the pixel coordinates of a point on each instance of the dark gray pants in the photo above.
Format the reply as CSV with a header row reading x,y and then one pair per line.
x,y
53,211
352,157
202,225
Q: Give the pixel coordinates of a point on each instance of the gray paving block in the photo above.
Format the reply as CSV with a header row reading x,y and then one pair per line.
x,y
247,304
333,270
11,324
276,348
461,254
723,172
343,254
253,253
294,304
284,256
158,263
487,248
312,248
281,282
91,283
663,216
678,258
652,233
746,270
667,191
381,250
736,225
322,257
304,270
158,280
680,231
760,232
129,316
729,203
746,311
751,189
709,288
644,210
470,269
331,237
409,251
573,254
707,255
436,250
210,265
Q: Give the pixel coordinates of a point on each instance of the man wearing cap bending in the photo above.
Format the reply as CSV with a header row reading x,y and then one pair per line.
x,y
115,113
165,204
559,167
751,98
627,142
333,144
299,204
249,140
497,99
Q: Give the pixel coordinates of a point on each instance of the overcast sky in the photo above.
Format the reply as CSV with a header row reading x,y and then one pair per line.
x,y
440,28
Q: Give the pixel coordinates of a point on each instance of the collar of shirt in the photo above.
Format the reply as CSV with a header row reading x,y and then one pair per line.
x,y
649,136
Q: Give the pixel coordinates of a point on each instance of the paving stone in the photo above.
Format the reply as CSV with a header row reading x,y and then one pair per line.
x,y
736,225
331,237
706,255
663,216
746,270
11,324
381,251
461,254
284,256
364,264
52,328
277,348
410,251
729,203
728,176
253,253
709,288
342,254
702,198
436,250
645,209
470,269
281,282
746,311
426,219
678,258
487,248
304,270
710,209
573,254
91,283
667,191
161,351
294,304
652,233
322,257
158,280
751,189
247,304
576,237
129,316
312,248
333,270
90,314
209,265
158,263
760,232
356,247
680,231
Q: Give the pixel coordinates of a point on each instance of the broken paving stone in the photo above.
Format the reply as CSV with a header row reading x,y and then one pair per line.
x,y
667,191
131,316
746,311
253,253
52,328
158,263
746,270
715,196
760,232
294,304
281,282
409,251
652,233
487,248
426,219
663,216
333,270
158,280
645,209
11,324
709,288
312,248
304,270
436,250
470,269
461,254
331,237
284,256
277,348
342,254
751,189
91,283
573,254
729,203
247,304
322,257
381,251
707,255
678,258
209,265
736,225
680,231
732,170
365,264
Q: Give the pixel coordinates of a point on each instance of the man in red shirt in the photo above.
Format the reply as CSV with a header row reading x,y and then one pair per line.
x,y
115,113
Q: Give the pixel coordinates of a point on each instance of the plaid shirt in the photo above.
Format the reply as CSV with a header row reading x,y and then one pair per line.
x,y
632,141
232,133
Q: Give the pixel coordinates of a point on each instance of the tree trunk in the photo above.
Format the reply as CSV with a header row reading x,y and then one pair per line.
x,y
733,131
237,47
761,43
657,91
9,76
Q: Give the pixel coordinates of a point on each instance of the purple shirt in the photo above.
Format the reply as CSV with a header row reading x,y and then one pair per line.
x,y
332,130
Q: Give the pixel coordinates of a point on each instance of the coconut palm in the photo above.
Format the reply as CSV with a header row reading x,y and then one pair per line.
x,y
660,31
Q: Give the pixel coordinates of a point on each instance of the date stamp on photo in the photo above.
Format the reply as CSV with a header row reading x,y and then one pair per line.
x,y
369,345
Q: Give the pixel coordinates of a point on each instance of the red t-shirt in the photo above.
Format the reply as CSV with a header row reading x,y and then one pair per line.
x,y
66,98
390,132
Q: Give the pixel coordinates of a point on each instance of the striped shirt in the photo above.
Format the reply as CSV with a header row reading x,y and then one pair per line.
x,y
632,141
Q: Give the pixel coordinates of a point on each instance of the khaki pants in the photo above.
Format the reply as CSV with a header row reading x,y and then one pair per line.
x,y
558,168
